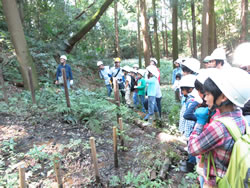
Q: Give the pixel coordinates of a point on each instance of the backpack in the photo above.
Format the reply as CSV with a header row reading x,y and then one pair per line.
x,y
238,171
132,84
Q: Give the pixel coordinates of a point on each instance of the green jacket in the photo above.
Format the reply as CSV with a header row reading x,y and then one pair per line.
x,y
141,86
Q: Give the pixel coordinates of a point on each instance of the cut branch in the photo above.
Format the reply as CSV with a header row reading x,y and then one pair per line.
x,y
83,12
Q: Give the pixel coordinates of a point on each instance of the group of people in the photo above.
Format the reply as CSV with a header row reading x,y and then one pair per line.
x,y
138,87
209,96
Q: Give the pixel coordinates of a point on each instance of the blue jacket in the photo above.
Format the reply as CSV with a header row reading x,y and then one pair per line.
x,y
68,71
175,72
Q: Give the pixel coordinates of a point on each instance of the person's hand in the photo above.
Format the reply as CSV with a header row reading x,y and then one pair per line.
x,y
201,115
56,82
71,82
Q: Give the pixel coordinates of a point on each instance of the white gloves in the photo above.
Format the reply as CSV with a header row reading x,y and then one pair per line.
x,y
71,82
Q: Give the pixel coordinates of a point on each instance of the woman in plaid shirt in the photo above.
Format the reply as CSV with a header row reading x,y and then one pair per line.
x,y
224,90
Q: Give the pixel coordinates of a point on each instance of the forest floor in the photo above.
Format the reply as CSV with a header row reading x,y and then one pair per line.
x,y
150,154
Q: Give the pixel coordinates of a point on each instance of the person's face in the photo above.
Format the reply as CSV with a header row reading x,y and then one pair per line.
x,y
177,78
117,64
211,64
184,92
209,98
101,67
62,60
150,74
139,75
152,63
185,73
177,65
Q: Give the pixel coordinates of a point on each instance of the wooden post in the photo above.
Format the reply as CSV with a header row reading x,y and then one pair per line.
x,y
3,87
115,147
121,130
22,183
94,158
32,90
66,87
117,97
58,172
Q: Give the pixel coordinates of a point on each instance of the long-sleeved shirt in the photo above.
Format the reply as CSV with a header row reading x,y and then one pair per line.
x,y
175,72
215,138
117,73
104,74
68,71
141,85
151,90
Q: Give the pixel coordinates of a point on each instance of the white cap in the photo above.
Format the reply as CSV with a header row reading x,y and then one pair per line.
x,y
153,70
188,80
133,70
193,64
136,66
207,59
241,54
218,54
234,84
99,63
63,57
126,68
141,72
204,74
154,60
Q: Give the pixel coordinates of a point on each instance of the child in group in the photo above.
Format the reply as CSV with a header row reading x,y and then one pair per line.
x,y
141,85
151,80
176,87
222,91
128,94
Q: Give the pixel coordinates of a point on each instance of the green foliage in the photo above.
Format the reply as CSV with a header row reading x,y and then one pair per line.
x,y
8,146
37,153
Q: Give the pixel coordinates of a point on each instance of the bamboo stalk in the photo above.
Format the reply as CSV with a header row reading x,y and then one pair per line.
x,y
32,90
22,183
58,172
121,131
115,147
94,158
66,87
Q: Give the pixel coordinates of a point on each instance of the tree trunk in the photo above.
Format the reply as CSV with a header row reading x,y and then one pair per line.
x,y
19,42
194,29
163,41
157,48
205,29
211,31
174,30
189,43
150,42
87,27
139,33
117,43
20,10
146,42
244,20
166,30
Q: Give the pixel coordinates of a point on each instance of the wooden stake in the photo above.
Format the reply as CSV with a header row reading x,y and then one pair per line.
x,y
66,87
116,91
115,147
121,130
22,183
3,87
58,172
94,158
32,90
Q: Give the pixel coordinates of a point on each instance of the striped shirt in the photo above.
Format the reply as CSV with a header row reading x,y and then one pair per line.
x,y
217,139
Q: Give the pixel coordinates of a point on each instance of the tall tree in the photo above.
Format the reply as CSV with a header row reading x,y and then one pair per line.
x,y
174,30
87,27
194,29
166,40
138,33
117,43
156,39
18,39
208,39
146,42
244,20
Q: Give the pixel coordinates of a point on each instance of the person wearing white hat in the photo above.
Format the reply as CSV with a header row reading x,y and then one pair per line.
x,y
134,80
136,66
177,69
104,74
225,90
208,63
128,83
154,62
68,71
190,66
151,81
218,59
